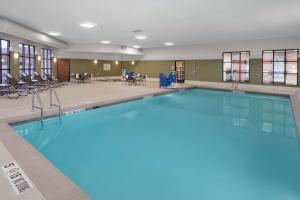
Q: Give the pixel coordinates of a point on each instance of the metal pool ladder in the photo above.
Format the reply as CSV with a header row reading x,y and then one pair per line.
x,y
58,103
235,84
40,106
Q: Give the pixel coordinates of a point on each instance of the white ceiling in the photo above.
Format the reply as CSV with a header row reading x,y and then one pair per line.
x,y
184,22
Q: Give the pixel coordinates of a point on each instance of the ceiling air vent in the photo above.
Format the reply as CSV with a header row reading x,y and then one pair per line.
x,y
137,31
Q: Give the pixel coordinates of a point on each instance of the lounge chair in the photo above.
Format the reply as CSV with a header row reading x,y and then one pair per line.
x,y
129,78
123,76
139,79
78,78
14,90
72,78
44,81
85,77
55,82
34,83
167,81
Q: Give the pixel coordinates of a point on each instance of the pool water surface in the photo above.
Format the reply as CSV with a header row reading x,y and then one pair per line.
x,y
194,144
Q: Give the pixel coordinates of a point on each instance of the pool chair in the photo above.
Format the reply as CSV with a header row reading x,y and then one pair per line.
x,y
85,77
163,80
18,84
144,80
123,79
14,89
140,80
13,93
127,77
72,78
167,81
130,79
78,78
123,76
56,83
34,83
41,80
172,79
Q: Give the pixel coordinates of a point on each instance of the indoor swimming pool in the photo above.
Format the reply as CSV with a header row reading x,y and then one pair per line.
x,y
192,144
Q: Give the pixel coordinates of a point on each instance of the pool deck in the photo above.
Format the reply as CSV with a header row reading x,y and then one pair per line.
x,y
49,182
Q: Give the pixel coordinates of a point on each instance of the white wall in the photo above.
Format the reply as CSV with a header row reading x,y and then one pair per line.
x,y
97,56
15,41
214,51
20,31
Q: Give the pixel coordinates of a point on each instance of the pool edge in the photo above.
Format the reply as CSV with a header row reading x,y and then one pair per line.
x,y
295,102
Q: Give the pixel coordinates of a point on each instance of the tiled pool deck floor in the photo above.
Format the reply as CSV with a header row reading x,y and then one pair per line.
x,y
50,182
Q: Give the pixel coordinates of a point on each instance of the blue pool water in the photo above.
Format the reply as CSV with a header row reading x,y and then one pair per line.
x,y
195,144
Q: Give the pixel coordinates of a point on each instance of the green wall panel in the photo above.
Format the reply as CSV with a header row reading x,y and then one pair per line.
x,y
88,66
198,70
203,70
151,68
256,71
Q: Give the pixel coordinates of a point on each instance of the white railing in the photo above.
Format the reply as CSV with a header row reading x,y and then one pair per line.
x,y
40,106
235,82
58,103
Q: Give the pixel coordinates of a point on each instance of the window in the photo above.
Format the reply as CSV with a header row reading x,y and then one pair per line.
x,y
46,62
4,64
280,67
27,59
236,66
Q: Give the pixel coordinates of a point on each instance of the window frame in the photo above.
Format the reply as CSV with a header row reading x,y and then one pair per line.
x,y
231,62
8,59
44,61
285,66
30,57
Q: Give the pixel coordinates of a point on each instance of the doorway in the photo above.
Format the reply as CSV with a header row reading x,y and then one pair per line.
x,y
63,70
180,70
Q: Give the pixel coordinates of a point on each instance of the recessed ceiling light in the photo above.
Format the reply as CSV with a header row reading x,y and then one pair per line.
x,y
141,37
105,41
52,33
136,46
88,24
169,43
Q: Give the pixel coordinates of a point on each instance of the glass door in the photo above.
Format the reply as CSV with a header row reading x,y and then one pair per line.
x,y
236,66
180,71
280,67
